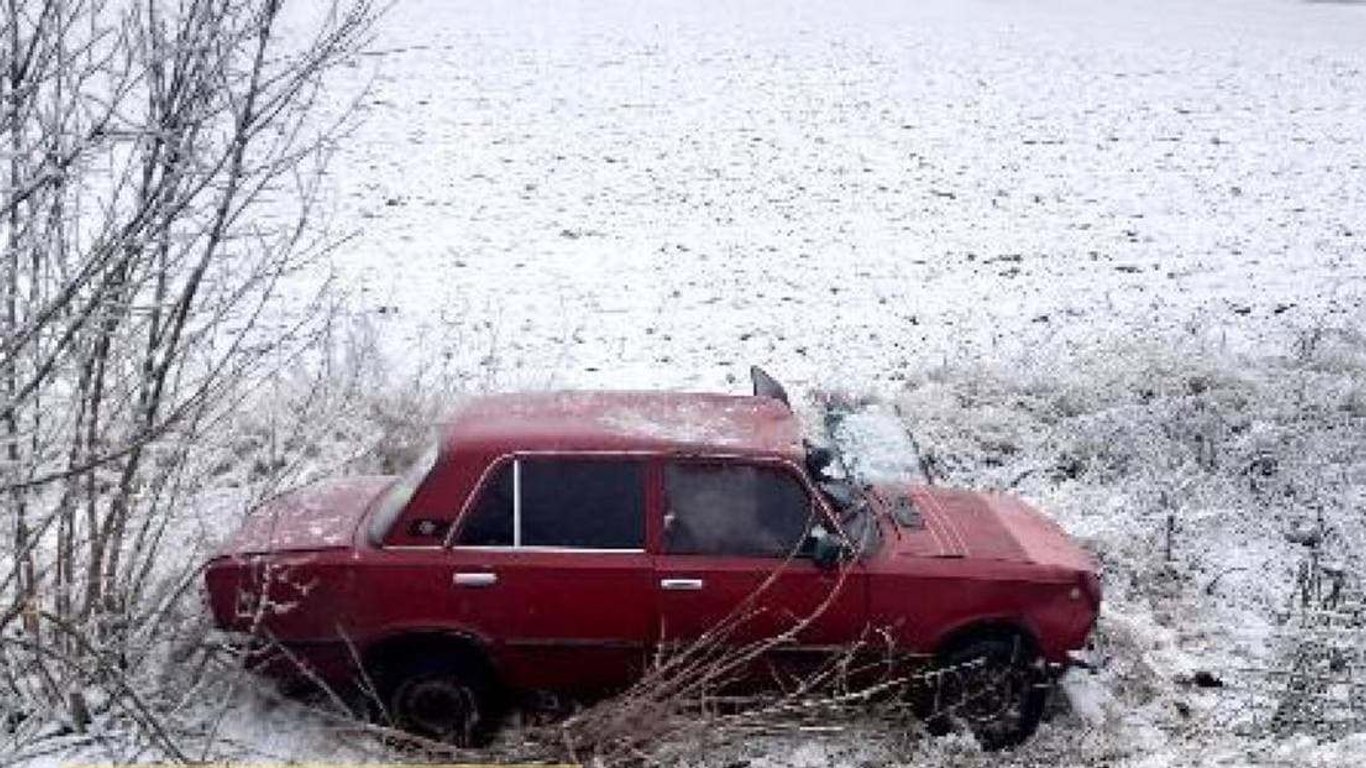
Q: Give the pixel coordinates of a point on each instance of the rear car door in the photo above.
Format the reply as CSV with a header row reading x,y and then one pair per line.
x,y
734,566
549,562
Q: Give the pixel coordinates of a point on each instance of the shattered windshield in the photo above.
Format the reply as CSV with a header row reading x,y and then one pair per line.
x,y
867,443
400,492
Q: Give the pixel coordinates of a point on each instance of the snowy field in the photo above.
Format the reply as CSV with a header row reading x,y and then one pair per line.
x,y
1110,254
659,194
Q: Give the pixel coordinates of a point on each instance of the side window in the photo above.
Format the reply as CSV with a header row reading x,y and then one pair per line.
x,y
590,504
732,509
575,503
489,522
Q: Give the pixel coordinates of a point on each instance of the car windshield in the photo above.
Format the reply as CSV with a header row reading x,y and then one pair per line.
x,y
400,492
855,514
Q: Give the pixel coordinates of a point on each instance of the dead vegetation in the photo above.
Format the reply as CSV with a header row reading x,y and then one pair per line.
x,y
157,185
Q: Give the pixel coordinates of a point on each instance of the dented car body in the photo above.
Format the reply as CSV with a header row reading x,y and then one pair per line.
x,y
557,541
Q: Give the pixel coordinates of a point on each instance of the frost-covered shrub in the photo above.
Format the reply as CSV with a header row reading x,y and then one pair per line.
x,y
1206,482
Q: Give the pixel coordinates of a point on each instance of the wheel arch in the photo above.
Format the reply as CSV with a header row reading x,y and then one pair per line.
x,y
390,653
995,628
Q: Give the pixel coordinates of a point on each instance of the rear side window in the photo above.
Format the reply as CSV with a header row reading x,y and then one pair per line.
x,y
489,522
585,504
400,492
733,509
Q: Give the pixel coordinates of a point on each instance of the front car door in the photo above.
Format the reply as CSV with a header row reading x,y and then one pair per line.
x,y
733,566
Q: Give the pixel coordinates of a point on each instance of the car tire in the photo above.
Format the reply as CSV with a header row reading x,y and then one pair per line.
x,y
991,686
445,700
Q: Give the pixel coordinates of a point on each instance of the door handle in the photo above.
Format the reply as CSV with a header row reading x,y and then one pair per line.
x,y
475,579
681,585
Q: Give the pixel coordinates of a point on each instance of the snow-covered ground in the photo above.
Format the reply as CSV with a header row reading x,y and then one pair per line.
x,y
658,194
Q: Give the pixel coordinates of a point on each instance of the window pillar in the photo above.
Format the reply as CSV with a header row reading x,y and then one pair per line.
x,y
516,502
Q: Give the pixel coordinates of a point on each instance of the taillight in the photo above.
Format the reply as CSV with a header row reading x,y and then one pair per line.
x,y
1090,585
221,579
235,587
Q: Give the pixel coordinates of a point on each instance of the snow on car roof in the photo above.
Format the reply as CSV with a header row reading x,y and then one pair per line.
x,y
643,421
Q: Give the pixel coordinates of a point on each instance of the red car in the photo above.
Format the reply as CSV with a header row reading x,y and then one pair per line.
x,y
554,542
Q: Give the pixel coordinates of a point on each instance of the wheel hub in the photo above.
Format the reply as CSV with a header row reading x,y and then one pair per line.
x,y
439,707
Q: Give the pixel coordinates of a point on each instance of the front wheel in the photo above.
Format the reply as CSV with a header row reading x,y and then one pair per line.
x,y
992,686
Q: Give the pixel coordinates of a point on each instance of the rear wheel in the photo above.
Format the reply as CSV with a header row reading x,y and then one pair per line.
x,y
992,686
445,700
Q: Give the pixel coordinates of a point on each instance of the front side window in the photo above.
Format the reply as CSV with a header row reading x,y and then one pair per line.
x,y
734,509
576,503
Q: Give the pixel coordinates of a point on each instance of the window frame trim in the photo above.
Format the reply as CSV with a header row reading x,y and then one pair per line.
x,y
515,457
653,461
517,503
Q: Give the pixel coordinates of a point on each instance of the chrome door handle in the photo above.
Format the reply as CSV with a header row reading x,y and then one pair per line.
x,y
682,585
475,579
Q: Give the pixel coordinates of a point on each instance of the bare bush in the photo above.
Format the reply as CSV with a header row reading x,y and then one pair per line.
x,y
1222,493
159,184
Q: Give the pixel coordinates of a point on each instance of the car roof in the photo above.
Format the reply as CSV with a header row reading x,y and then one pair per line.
x,y
668,422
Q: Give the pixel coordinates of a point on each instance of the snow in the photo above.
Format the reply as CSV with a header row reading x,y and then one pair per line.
x,y
679,425
656,195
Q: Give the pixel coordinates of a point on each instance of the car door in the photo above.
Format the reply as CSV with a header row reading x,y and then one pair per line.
x,y
549,562
732,565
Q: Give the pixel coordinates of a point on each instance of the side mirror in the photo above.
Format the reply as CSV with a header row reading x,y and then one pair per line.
x,y
827,550
818,458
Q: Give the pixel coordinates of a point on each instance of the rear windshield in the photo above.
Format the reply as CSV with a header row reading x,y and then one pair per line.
x,y
400,492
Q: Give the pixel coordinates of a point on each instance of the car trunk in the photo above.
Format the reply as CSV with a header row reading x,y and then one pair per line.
x,y
320,516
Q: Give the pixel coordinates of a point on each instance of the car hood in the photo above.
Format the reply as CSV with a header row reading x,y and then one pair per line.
x,y
319,516
942,522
